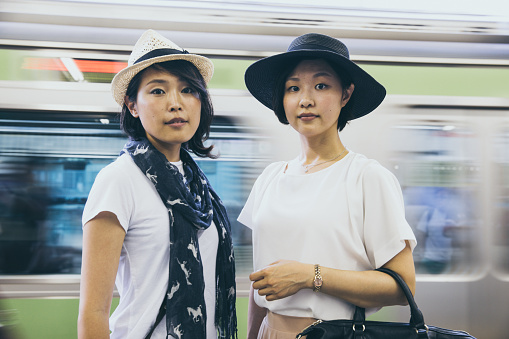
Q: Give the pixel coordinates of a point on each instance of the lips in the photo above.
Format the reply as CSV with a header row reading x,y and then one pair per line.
x,y
307,116
176,121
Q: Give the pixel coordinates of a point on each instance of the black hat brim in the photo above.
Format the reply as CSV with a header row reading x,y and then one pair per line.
x,y
260,79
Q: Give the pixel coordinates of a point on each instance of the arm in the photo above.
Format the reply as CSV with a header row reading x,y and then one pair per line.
x,y
362,288
372,288
255,315
102,242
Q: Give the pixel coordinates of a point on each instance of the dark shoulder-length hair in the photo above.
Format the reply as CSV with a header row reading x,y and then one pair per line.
x,y
188,72
279,92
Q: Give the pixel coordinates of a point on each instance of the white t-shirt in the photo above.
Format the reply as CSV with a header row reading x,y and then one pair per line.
x,y
348,216
142,277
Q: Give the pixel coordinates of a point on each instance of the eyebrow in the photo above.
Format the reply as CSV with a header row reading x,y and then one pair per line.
x,y
316,75
156,81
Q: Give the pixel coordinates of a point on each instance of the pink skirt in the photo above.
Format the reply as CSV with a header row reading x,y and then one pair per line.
x,y
276,326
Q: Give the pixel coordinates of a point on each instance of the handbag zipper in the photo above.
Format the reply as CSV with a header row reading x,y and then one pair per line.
x,y
448,331
313,324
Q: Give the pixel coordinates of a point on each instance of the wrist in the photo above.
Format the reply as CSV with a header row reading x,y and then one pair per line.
x,y
310,277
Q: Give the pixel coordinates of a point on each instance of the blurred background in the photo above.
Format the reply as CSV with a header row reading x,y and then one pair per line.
x,y
443,130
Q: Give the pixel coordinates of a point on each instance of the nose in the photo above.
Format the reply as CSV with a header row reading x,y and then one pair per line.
x,y
174,103
306,100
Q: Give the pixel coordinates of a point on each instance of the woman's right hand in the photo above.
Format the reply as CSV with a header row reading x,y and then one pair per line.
x,y
282,278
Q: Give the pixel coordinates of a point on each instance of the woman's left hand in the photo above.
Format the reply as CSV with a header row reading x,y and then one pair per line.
x,y
282,279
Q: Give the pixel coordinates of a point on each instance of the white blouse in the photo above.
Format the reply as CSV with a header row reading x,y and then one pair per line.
x,y
348,216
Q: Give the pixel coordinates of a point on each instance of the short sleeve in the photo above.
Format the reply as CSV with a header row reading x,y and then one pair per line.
x,y
246,215
385,226
111,192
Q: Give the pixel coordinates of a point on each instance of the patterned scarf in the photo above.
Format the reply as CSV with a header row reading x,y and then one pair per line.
x,y
192,205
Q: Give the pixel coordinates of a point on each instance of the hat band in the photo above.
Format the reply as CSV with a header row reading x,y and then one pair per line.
x,y
160,52
319,47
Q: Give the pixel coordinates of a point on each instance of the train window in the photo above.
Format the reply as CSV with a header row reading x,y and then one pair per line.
x,y
501,233
437,166
48,164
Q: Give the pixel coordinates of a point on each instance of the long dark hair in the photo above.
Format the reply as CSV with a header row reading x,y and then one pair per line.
x,y
188,72
279,92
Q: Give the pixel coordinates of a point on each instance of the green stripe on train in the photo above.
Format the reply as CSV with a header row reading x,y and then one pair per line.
x,y
487,81
57,318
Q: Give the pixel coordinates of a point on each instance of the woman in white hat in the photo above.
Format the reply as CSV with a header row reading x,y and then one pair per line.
x,y
324,221
152,223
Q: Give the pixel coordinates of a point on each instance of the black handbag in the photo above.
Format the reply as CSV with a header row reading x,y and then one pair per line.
x,y
359,328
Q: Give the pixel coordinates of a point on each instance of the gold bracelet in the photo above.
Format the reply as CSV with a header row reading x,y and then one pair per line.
x,y
318,280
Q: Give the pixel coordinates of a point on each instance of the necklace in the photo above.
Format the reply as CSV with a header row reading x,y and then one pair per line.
x,y
310,166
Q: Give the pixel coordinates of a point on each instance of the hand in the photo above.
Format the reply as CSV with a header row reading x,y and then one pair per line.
x,y
282,279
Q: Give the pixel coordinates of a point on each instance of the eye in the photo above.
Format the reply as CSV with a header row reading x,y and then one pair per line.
x,y
188,90
293,89
157,91
321,86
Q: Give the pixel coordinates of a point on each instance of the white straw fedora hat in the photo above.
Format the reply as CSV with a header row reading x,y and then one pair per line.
x,y
153,48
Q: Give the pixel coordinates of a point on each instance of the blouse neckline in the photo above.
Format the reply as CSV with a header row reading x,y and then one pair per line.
x,y
303,174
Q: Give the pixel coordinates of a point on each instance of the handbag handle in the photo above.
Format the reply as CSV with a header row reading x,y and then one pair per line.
x,y
416,317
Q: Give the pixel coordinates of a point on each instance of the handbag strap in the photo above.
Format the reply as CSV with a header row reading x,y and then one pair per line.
x,y
416,318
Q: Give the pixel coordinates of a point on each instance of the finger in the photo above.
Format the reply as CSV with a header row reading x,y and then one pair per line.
x,y
265,292
260,284
255,276
272,297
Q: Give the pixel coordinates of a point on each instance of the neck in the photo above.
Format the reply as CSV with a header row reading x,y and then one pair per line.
x,y
313,150
172,155
170,151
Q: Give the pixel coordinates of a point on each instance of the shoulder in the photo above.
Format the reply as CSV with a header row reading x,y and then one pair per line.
x,y
122,174
370,171
268,174
119,169
369,167
110,192
271,171
274,168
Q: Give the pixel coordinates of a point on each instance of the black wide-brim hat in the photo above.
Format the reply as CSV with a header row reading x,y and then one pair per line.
x,y
261,76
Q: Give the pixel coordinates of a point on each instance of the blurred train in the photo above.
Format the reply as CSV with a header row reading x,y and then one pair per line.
x,y
443,130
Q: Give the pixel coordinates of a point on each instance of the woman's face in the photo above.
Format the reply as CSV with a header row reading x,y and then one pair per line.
x,y
313,98
168,108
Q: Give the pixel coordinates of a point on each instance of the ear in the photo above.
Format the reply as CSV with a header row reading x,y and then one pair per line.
x,y
347,94
131,105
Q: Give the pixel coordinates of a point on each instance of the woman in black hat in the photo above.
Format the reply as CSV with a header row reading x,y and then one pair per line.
x,y
324,221
152,223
